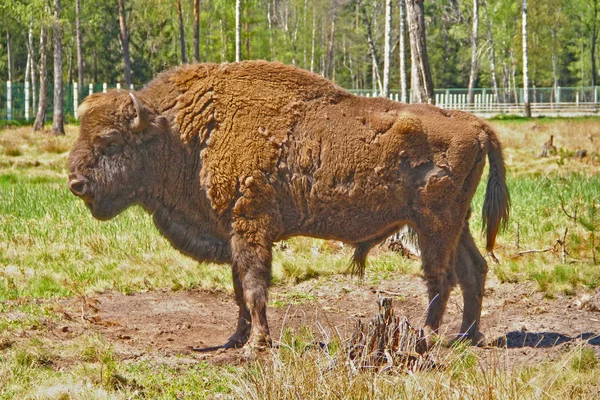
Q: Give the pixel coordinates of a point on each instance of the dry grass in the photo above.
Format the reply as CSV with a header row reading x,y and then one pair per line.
x,y
523,140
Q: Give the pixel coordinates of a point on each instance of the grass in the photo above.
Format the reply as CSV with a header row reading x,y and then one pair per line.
x,y
50,247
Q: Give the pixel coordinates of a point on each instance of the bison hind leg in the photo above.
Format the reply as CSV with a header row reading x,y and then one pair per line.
x,y
471,270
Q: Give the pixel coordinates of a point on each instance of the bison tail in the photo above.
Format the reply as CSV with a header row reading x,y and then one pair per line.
x,y
496,206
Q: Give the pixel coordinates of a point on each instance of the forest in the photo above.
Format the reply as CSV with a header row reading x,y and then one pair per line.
x,y
329,37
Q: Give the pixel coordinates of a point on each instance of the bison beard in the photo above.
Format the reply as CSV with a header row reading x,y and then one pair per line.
x,y
231,158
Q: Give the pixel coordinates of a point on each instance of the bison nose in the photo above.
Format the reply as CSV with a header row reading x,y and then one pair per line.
x,y
79,185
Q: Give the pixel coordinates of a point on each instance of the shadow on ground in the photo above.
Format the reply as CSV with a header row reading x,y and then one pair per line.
x,y
520,339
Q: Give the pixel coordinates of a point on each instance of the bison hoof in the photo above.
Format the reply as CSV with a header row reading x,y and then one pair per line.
x,y
471,338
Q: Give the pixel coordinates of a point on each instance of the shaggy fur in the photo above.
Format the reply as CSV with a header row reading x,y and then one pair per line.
x,y
238,156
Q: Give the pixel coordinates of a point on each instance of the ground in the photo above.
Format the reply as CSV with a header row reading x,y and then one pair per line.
x,y
194,323
110,310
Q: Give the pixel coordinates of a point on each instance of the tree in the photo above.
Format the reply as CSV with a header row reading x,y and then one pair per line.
x,y
58,127
373,50
238,30
387,48
526,104
79,49
181,32
124,44
421,83
403,76
197,30
40,117
492,52
474,40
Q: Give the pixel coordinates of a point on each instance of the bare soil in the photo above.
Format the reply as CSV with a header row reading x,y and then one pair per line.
x,y
193,324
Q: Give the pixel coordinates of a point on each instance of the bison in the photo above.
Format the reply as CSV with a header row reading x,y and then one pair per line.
x,y
229,159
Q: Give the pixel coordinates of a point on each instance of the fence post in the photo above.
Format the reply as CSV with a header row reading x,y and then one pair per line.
x,y
118,85
104,87
131,87
90,89
27,100
75,98
8,101
595,94
558,94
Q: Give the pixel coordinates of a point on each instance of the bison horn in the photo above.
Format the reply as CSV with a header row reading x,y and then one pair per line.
x,y
140,122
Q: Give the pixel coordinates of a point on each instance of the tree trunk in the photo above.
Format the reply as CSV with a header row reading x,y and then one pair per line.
x,y
79,51
32,65
124,44
40,117
58,127
474,40
196,30
247,33
181,33
593,40
421,82
270,30
526,104
492,52
238,30
554,66
374,58
312,48
403,76
9,55
386,48
329,59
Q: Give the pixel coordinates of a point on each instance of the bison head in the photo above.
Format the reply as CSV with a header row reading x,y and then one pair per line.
x,y
109,163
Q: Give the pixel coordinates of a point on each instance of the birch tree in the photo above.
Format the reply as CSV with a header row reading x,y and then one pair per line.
x,y
386,48
40,116
238,30
79,49
58,127
492,51
421,82
373,50
403,76
474,40
124,44
526,104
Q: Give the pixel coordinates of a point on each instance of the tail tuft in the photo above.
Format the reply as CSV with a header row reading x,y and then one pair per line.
x,y
496,206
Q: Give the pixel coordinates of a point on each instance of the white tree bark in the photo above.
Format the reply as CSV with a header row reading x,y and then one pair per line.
x,y
526,104
386,48
403,75
40,116
79,50
474,41
238,30
32,65
492,51
58,127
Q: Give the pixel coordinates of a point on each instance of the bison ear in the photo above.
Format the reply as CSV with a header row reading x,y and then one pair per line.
x,y
140,122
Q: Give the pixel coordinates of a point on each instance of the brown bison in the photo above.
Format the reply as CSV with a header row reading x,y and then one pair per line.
x,y
230,158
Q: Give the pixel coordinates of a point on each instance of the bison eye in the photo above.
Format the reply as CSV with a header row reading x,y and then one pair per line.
x,y
113,149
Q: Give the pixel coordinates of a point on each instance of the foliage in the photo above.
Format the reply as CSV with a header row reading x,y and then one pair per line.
x,y
563,37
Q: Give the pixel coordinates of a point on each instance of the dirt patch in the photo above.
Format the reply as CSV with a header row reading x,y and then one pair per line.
x,y
162,324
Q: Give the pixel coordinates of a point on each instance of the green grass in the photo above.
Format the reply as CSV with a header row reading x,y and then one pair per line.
x,y
51,247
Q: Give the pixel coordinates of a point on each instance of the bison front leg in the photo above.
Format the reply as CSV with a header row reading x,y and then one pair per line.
x,y
252,264
240,337
471,269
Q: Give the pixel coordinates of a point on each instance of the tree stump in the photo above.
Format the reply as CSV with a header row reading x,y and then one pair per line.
x,y
388,342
